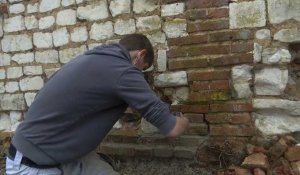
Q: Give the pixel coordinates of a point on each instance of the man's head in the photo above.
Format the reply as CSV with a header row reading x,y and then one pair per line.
x,y
140,49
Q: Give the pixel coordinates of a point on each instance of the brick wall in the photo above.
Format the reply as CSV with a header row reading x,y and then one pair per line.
x,y
230,67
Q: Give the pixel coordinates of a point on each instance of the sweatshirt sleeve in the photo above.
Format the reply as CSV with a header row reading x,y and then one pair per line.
x,y
135,91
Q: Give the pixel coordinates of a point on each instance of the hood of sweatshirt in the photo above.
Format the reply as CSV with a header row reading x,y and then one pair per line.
x,y
115,50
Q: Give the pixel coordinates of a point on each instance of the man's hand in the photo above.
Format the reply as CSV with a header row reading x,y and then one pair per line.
x,y
181,125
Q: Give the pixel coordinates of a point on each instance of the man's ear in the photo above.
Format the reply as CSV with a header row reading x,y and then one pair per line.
x,y
143,53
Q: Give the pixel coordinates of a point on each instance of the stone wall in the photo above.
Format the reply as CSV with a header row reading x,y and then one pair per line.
x,y
231,66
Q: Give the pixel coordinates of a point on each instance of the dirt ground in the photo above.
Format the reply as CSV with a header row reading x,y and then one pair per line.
x,y
160,167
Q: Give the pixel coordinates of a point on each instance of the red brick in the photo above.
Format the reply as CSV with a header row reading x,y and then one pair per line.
x,y
184,63
198,51
188,40
257,160
230,118
202,75
293,153
209,96
218,13
191,108
211,85
242,47
282,167
3,8
230,130
231,106
197,129
208,25
230,36
195,118
231,60
191,4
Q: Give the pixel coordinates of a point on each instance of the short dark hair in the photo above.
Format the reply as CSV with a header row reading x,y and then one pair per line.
x,y
138,42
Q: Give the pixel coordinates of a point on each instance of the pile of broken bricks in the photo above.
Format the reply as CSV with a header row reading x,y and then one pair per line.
x,y
282,158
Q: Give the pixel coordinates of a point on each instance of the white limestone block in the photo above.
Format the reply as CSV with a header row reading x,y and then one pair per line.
x,y
5,59
12,102
171,79
2,74
29,98
93,12
66,17
148,23
11,43
161,60
79,34
172,9
67,55
102,31
61,37
16,8
33,70
5,124
31,22
175,28
49,56
48,5
66,3
11,86
14,24
247,14
118,7
14,72
124,27
270,81
31,83
32,8
263,34
22,58
2,87
46,22
42,40
143,6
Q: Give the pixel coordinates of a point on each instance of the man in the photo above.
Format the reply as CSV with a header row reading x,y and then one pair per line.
x,y
78,106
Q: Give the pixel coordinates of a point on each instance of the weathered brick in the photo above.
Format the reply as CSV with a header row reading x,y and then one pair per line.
x,y
208,25
191,108
197,129
257,160
196,14
211,85
230,36
143,151
218,13
185,152
191,4
222,74
242,47
278,149
195,118
232,60
209,96
188,40
187,63
228,118
171,1
3,8
163,151
230,130
120,149
198,50
232,106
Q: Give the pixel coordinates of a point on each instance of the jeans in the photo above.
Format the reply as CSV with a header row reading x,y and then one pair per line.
x,y
91,164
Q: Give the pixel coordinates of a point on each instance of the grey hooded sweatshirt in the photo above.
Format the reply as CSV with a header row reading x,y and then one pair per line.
x,y
81,102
